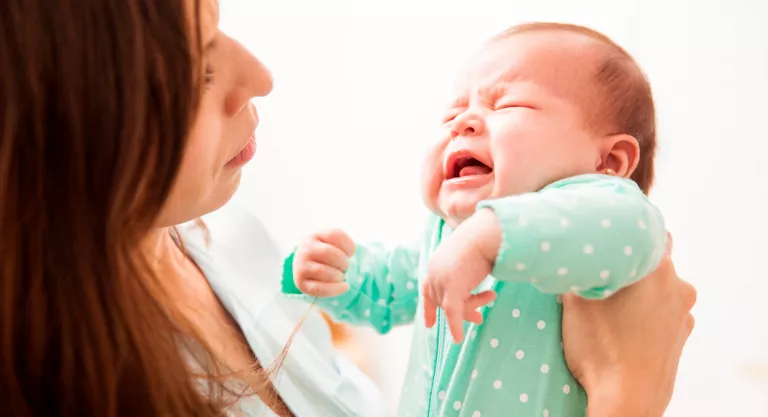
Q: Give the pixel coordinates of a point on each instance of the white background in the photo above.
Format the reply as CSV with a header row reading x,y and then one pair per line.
x,y
359,87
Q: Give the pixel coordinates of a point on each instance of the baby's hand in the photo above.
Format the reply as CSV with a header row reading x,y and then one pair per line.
x,y
456,267
320,261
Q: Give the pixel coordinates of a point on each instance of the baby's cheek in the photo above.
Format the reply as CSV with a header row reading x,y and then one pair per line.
x,y
513,174
432,174
431,181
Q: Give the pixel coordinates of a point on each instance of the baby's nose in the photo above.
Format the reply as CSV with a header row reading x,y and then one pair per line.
x,y
469,125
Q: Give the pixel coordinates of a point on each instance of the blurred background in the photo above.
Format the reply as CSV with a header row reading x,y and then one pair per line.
x,y
359,89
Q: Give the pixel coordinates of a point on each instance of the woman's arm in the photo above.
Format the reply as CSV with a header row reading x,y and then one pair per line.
x,y
625,350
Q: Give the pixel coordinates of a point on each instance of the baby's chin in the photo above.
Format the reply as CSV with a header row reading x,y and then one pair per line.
x,y
457,208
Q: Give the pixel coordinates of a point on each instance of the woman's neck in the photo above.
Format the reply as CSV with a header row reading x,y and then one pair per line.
x,y
179,273
162,252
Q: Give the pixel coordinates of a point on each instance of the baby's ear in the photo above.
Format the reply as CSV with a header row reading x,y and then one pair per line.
x,y
620,153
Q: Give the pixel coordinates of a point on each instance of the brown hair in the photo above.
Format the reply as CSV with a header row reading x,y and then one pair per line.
x,y
96,103
624,98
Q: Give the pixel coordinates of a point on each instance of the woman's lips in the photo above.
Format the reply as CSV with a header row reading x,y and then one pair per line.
x,y
245,155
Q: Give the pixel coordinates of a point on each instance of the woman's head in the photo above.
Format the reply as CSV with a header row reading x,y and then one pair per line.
x,y
221,140
115,118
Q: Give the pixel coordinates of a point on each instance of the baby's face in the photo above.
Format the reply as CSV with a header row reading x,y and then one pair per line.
x,y
514,125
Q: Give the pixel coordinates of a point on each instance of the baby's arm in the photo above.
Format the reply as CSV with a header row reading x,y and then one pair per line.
x,y
590,234
383,288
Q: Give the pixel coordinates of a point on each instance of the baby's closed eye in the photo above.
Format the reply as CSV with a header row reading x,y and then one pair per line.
x,y
510,104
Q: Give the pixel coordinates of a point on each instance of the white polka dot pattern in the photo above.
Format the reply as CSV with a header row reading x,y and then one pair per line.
x,y
589,234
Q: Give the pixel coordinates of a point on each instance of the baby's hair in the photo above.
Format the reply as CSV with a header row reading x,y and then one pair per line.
x,y
621,99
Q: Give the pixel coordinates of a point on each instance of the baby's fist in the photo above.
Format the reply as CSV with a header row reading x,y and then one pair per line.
x,y
320,261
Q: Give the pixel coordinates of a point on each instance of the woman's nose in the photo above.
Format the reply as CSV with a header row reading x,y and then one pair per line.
x,y
253,79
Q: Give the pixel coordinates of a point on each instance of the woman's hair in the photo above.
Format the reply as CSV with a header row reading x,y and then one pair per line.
x,y
96,103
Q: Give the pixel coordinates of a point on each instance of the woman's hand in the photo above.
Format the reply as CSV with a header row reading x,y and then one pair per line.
x,y
625,350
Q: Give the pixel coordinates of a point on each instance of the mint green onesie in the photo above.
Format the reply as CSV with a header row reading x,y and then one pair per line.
x,y
590,234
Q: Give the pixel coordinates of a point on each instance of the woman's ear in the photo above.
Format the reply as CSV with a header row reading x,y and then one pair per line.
x,y
620,154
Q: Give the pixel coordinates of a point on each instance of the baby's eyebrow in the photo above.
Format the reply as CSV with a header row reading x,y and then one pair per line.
x,y
461,101
495,91
489,92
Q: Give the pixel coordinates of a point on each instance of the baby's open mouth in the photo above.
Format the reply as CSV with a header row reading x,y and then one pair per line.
x,y
466,166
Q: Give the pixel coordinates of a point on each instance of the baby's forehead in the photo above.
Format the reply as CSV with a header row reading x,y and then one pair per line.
x,y
556,62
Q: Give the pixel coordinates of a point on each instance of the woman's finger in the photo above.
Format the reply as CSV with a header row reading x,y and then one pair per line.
x,y
690,322
688,293
670,244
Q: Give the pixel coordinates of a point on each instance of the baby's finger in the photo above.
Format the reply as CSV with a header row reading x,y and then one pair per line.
x,y
315,271
454,314
476,301
430,308
473,316
328,254
479,300
325,289
339,239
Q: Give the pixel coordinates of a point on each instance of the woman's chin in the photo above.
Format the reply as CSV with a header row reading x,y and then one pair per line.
x,y
223,193
180,210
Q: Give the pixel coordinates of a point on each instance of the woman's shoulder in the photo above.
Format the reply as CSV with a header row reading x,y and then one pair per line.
x,y
243,265
233,225
233,248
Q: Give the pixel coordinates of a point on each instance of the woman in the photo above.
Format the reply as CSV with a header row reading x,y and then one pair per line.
x,y
640,333
119,120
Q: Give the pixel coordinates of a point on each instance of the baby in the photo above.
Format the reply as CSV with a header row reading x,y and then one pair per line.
x,y
538,189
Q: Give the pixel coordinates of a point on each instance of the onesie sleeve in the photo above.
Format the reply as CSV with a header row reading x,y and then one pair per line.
x,y
589,234
383,285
